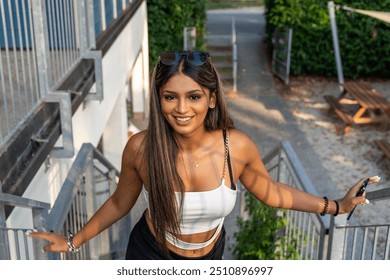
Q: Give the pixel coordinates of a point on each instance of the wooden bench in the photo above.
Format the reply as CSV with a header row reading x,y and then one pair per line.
x,y
339,110
374,107
368,97
384,146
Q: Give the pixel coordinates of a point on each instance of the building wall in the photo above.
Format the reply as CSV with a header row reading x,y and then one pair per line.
x,y
104,120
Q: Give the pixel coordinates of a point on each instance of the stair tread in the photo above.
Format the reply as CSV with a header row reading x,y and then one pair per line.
x,y
224,63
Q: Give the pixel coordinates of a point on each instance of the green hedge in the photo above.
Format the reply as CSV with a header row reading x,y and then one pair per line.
x,y
364,41
166,21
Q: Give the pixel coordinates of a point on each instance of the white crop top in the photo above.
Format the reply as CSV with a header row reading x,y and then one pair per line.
x,y
202,212
206,210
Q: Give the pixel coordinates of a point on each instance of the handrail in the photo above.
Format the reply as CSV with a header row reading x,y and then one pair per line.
x,y
362,241
284,165
90,181
82,193
297,170
378,194
18,201
63,204
334,238
20,244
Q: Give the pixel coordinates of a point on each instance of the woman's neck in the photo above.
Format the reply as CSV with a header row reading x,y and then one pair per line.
x,y
194,142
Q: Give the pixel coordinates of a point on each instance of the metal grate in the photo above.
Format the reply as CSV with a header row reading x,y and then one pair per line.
x,y
41,42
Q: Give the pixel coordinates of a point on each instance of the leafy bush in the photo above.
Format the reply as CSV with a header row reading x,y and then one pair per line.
x,y
166,21
259,237
364,41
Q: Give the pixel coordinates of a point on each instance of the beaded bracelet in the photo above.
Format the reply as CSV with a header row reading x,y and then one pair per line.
x,y
337,208
325,206
71,246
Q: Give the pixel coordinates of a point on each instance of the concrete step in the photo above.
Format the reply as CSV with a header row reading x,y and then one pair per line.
x,y
221,55
213,47
220,51
223,64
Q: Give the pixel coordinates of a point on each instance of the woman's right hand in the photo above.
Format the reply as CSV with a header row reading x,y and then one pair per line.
x,y
58,242
350,200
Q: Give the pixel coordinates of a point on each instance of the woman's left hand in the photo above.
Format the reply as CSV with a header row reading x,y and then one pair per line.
x,y
350,200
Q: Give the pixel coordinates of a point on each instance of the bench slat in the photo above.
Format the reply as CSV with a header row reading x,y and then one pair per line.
x,y
335,105
369,97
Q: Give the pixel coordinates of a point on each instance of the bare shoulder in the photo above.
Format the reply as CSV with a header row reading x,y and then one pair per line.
x,y
134,148
240,141
242,147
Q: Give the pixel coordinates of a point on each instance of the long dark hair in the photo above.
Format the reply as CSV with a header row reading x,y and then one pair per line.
x,y
162,149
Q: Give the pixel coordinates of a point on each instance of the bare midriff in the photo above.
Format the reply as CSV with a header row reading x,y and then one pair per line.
x,y
191,238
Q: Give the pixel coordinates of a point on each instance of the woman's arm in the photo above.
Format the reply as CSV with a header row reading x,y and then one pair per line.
x,y
117,205
255,177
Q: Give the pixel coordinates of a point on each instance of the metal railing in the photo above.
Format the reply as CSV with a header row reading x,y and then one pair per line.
x,y
308,230
326,237
41,41
363,241
14,244
91,180
281,53
367,242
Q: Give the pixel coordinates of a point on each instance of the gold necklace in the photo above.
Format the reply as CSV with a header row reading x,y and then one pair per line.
x,y
196,163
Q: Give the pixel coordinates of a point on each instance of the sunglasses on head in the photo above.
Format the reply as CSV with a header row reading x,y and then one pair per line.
x,y
196,58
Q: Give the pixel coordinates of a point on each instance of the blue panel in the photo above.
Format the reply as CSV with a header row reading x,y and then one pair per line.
x,y
109,7
19,29
59,32
98,17
53,8
119,7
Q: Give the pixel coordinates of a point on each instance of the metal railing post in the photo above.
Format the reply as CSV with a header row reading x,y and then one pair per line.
x,y
40,38
40,216
64,101
336,46
91,206
91,23
39,211
83,28
88,45
4,248
284,166
45,81
337,240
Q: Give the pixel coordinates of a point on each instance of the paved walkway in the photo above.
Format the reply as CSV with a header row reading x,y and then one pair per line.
x,y
258,109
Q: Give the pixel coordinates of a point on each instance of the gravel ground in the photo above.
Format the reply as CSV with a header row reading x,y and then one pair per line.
x,y
346,156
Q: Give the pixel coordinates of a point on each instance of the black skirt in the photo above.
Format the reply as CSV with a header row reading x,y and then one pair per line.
x,y
142,245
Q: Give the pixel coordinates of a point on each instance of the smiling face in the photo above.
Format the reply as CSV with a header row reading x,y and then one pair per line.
x,y
185,104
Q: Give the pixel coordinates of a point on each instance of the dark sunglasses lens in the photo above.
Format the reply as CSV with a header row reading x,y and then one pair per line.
x,y
170,58
197,58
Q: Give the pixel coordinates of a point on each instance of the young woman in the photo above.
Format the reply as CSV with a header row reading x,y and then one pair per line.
x,y
186,165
